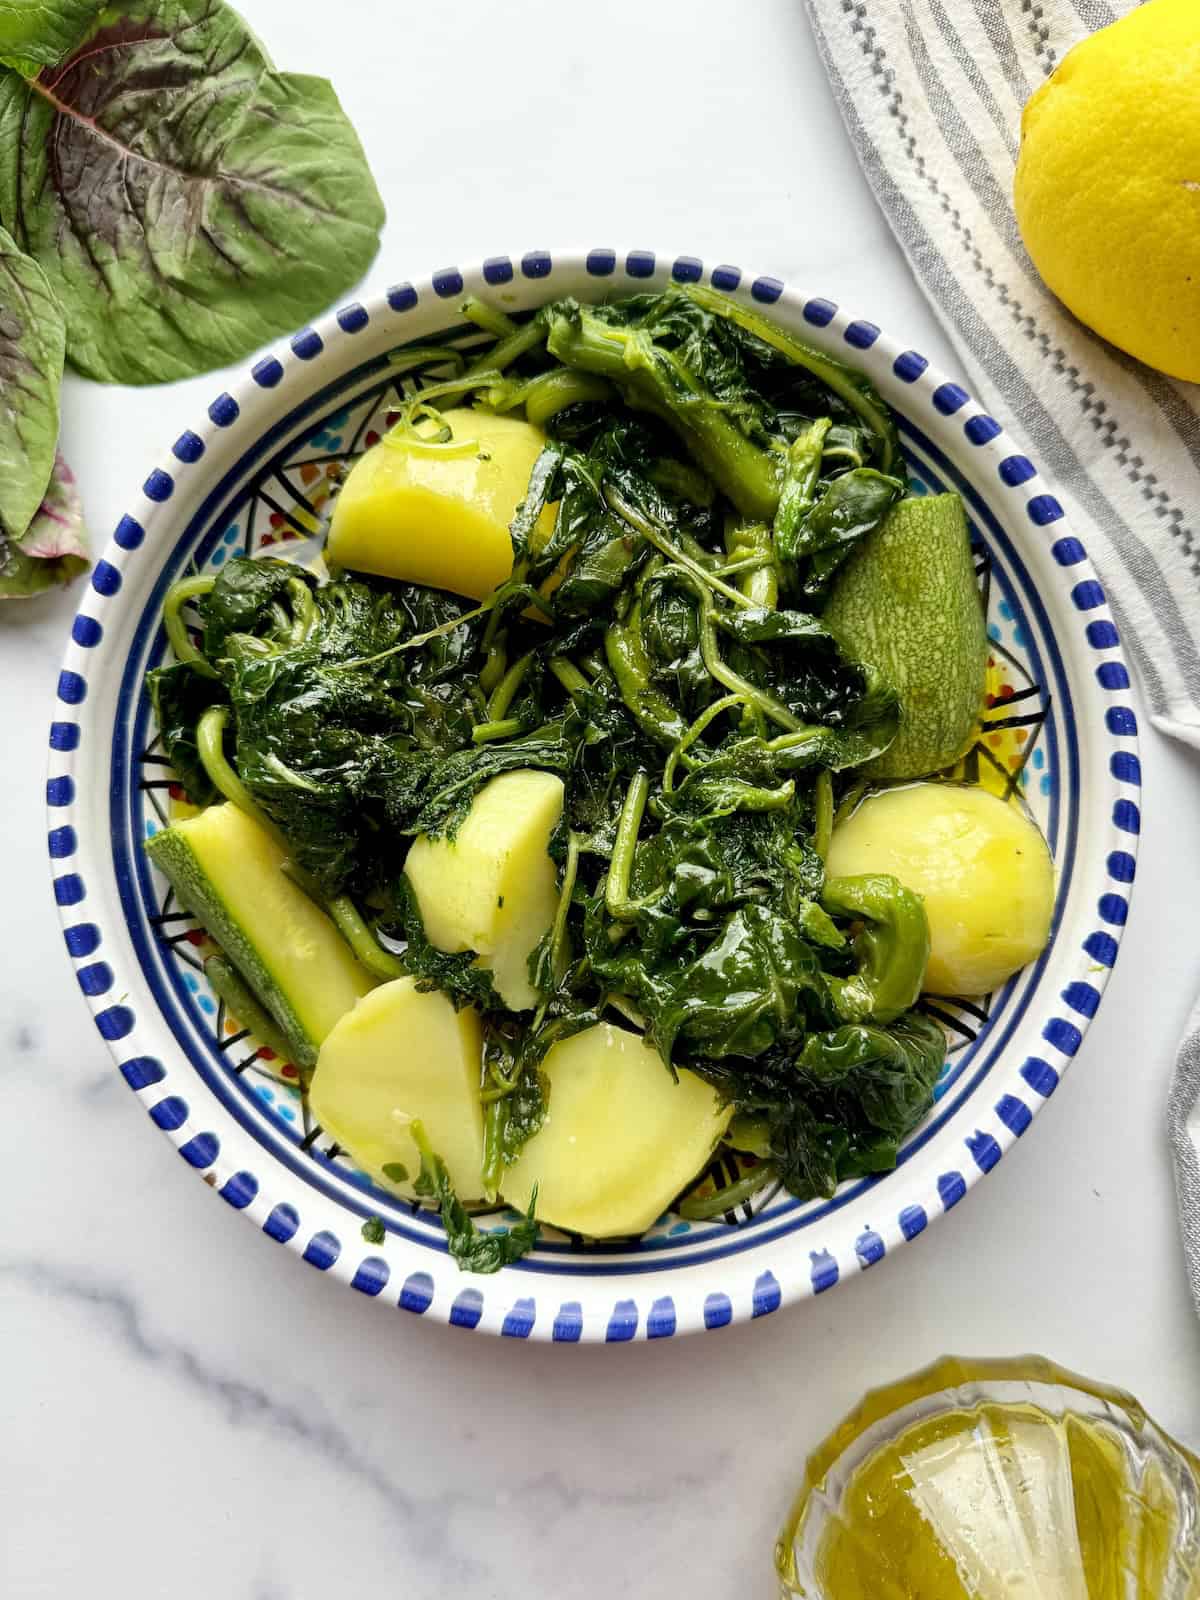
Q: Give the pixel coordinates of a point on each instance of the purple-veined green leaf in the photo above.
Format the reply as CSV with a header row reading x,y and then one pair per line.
x,y
186,201
53,549
31,364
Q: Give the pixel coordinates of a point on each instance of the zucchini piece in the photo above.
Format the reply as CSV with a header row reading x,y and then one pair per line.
x,y
907,602
228,872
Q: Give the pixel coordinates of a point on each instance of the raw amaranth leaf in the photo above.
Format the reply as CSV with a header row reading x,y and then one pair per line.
x,y
53,549
31,364
186,201
42,31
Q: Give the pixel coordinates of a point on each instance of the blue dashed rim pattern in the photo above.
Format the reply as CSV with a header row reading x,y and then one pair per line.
x,y
414,1273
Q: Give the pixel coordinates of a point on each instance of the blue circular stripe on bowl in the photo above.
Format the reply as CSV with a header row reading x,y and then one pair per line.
x,y
96,978
1127,817
518,1324
447,283
824,1272
949,398
1063,1035
537,264
568,1324
982,430
106,579
83,939
467,1309
307,344
1102,635
282,1224
60,791
1014,1114
72,689
1016,470
718,1310
141,1072
267,372
1102,947
862,335
909,365
1040,1076
170,1113
201,1150
1044,509
353,318
869,1248
224,411
661,1321
913,1221
159,486
622,1322
1087,596
239,1190
1082,997
1114,909
86,631
768,1296
69,889
61,843
129,533
188,448
1122,866
1068,552
371,1275
115,1022
322,1250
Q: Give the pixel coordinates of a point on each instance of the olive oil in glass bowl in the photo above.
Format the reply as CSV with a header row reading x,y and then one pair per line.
x,y
995,1480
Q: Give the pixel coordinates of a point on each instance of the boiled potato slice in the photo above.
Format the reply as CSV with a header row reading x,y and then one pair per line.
x,y
491,888
621,1137
401,1056
981,866
435,518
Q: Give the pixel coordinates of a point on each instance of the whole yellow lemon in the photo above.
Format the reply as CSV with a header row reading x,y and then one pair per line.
x,y
1108,184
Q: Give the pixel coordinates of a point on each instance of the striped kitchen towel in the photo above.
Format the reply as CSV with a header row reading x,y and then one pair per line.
x,y
932,92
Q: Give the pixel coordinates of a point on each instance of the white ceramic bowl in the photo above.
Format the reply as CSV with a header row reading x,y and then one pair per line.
x,y
255,472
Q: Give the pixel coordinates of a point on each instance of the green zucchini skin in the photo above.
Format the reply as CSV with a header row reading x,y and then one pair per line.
x,y
908,603
227,871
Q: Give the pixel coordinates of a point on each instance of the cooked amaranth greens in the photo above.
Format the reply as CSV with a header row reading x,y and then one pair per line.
x,y
588,797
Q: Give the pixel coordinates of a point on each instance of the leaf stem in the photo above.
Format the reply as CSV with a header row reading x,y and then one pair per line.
x,y
177,597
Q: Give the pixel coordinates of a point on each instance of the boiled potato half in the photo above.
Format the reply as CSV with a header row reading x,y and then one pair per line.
x,y
491,888
439,516
402,1056
981,866
621,1137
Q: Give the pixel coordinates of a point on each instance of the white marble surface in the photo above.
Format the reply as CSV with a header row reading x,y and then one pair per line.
x,y
187,1410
